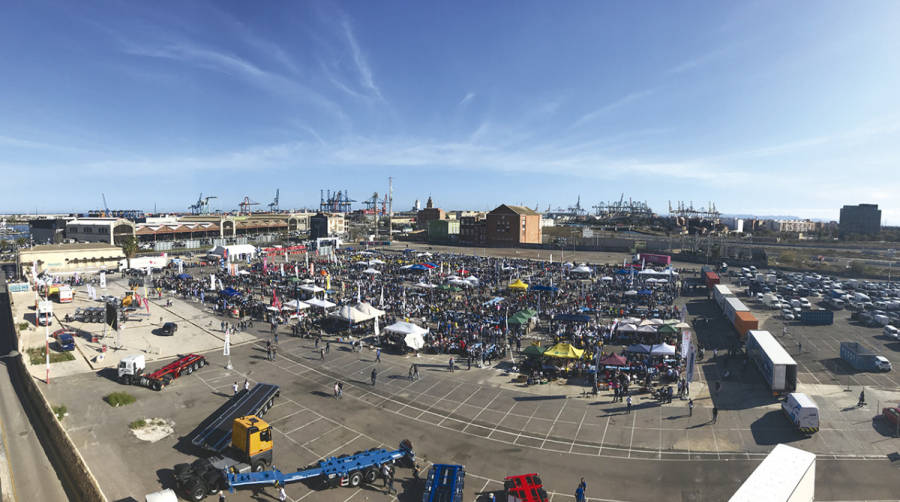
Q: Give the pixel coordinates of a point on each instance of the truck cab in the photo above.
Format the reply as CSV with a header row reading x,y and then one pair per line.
x,y
45,313
882,364
131,367
251,442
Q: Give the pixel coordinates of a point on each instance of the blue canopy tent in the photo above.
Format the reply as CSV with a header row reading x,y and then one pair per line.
x,y
645,292
623,272
183,276
418,266
229,292
538,287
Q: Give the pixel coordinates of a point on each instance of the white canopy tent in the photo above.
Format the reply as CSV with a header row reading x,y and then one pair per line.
x,y
425,285
581,269
368,309
413,335
295,305
350,314
662,350
311,288
322,304
371,271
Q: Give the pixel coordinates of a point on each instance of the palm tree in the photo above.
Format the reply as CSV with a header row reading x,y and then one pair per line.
x,y
130,248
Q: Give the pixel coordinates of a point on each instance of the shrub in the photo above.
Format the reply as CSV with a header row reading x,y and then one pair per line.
x,y
37,355
137,424
60,412
23,326
117,399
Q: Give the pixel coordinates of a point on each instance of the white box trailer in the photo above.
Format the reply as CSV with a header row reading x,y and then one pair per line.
x,y
720,293
733,305
778,368
786,475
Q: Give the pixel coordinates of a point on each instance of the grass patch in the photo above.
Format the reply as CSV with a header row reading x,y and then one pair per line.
x,y
137,424
37,355
60,412
23,326
117,399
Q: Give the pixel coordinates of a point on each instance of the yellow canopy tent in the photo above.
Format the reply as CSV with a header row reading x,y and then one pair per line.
x,y
518,285
564,350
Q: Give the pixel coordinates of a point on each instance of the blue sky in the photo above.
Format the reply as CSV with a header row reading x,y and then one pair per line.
x,y
760,107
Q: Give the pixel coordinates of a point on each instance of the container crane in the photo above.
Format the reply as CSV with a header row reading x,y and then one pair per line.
x,y
246,203
273,206
202,204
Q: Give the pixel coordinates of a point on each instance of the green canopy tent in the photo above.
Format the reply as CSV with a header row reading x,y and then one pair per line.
x,y
667,329
533,351
522,316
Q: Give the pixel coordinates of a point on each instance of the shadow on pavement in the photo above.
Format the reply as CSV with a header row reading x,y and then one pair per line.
x,y
773,428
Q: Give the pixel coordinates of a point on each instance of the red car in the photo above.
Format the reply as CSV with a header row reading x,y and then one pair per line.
x,y
524,488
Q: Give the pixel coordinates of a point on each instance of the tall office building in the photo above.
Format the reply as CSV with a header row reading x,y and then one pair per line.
x,y
862,219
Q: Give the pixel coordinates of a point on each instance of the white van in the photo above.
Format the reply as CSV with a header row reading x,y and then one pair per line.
x,y
892,332
802,411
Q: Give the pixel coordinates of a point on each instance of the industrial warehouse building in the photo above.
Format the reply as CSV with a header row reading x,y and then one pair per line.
x,y
68,259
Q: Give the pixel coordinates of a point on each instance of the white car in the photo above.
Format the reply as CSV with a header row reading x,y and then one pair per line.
x,y
804,303
882,363
892,332
787,315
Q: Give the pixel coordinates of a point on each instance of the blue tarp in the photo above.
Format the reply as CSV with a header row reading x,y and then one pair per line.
x,y
638,348
623,272
229,292
544,288
418,266
645,292
572,317
184,276
493,301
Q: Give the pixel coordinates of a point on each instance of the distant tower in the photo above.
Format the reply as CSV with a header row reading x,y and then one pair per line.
x,y
429,204
418,205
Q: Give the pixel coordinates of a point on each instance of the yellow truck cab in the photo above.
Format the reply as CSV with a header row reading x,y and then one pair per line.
x,y
251,436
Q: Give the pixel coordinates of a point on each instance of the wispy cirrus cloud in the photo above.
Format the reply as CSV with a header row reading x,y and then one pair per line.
x,y
359,59
613,105
698,61
467,98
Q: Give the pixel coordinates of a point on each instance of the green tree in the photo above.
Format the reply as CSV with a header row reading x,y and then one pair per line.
x,y
858,268
130,248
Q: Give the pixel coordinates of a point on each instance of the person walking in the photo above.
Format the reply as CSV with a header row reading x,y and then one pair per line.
x,y
336,390
221,495
579,493
799,347
378,355
628,404
276,338
340,389
411,372
281,495
451,364
246,384
322,354
374,375
415,371
468,363
317,342
388,478
327,347
690,407
235,388
715,414
274,351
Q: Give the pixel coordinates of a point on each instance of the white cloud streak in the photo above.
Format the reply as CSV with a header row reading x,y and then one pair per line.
x,y
619,103
467,98
362,65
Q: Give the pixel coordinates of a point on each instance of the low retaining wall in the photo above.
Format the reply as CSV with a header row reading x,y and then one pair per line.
x,y
80,484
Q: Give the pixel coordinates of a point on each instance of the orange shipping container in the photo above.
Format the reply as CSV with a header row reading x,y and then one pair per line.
x,y
744,322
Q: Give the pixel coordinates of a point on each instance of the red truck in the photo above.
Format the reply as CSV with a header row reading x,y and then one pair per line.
x,y
131,370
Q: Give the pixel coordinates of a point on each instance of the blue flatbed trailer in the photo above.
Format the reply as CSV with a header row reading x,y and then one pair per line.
x,y
346,470
445,483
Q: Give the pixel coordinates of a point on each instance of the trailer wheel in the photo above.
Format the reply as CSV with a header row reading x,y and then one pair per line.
x,y
355,478
201,363
259,465
157,385
370,475
190,369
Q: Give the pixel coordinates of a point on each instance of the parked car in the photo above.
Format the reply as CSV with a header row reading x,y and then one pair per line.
x,y
892,332
168,329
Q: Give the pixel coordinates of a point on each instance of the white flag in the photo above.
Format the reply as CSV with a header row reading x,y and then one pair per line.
x,y
377,331
282,270
212,282
180,267
102,280
227,350
381,301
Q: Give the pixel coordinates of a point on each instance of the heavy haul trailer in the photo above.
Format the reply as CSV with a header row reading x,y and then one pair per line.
x,y
345,470
214,433
445,483
252,441
131,370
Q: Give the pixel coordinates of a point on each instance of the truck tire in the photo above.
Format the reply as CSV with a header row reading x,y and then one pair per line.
x,y
182,470
194,489
126,379
201,363
259,465
190,369
355,479
213,481
370,475
157,385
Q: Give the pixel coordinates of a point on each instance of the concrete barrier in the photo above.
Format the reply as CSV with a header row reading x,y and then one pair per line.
x,y
78,480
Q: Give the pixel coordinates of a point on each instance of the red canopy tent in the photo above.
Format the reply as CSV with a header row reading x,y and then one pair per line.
x,y
614,360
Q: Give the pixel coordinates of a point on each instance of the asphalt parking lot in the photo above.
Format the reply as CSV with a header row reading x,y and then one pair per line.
x,y
475,417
